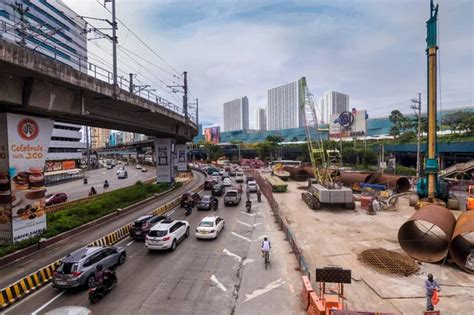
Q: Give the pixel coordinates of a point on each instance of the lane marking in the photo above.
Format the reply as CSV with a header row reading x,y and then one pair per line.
x,y
170,213
248,261
229,253
219,285
48,303
249,214
130,243
268,227
243,223
242,237
273,285
256,224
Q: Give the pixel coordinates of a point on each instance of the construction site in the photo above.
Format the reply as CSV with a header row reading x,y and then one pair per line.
x,y
369,240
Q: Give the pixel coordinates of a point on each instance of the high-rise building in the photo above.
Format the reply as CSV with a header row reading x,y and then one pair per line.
x,y
99,137
283,107
334,103
261,119
322,110
236,114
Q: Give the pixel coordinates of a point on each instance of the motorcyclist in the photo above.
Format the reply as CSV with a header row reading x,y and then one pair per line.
x,y
259,195
214,203
99,274
92,192
248,204
266,246
106,184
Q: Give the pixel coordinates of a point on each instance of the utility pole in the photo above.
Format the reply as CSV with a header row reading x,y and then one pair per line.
x,y
114,41
131,83
185,97
416,106
197,111
18,8
88,148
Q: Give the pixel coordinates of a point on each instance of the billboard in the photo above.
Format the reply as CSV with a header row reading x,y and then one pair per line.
x,y
182,157
164,160
212,134
347,124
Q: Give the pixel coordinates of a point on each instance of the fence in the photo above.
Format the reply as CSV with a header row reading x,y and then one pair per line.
x,y
266,189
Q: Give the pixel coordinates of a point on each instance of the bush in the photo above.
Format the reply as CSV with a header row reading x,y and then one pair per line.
x,y
403,170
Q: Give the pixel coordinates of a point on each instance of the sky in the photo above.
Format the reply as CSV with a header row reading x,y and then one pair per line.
x,y
373,50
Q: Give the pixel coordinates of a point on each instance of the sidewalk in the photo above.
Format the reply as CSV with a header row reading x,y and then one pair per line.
x,y
337,236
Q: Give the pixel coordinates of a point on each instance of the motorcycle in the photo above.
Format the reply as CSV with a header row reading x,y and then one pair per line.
x,y
248,205
259,197
188,210
99,291
215,205
106,185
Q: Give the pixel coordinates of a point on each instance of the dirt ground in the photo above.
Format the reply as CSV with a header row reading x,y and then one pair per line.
x,y
330,237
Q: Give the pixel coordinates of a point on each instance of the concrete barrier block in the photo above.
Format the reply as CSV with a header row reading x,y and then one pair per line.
x,y
307,288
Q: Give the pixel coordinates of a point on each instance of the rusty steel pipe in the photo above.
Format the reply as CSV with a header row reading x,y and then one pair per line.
x,y
296,173
350,178
426,235
398,183
462,242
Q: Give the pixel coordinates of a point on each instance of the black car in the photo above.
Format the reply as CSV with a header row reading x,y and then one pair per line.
x,y
209,183
206,202
191,197
232,173
143,224
218,190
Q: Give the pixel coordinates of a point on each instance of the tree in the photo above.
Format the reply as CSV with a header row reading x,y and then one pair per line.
x,y
407,136
467,122
263,150
454,120
423,124
400,123
214,151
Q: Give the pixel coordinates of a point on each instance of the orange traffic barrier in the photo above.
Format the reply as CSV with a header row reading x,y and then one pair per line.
x,y
315,307
307,288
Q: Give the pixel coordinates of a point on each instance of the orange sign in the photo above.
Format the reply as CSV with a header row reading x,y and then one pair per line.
x,y
69,165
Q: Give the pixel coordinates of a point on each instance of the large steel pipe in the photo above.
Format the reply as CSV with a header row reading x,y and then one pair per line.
x,y
398,183
297,173
462,242
426,235
350,178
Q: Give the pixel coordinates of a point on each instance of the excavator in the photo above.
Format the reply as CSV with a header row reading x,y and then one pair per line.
x,y
325,188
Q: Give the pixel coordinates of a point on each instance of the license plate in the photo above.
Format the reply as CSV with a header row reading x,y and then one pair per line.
x,y
203,232
138,232
61,282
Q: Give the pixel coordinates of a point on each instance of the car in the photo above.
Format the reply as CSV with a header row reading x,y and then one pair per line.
x,y
138,166
144,169
119,170
206,202
215,174
109,166
239,177
143,224
218,190
122,174
221,172
126,163
77,268
232,173
70,310
167,234
194,197
227,182
209,183
225,175
249,179
210,227
252,186
232,197
54,199
215,178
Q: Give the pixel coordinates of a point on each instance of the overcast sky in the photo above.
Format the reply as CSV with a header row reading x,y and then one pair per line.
x,y
373,50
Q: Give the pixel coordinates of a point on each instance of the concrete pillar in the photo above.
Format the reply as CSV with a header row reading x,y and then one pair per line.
x,y
182,157
164,160
24,144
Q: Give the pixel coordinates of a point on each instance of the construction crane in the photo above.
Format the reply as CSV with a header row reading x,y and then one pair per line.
x,y
325,189
431,187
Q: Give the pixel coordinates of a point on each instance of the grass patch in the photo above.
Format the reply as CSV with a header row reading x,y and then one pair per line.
x,y
77,215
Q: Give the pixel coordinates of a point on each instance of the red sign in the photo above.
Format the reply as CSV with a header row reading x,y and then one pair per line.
x,y
27,129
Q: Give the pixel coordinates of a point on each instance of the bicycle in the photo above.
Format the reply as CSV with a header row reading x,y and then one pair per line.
x,y
266,255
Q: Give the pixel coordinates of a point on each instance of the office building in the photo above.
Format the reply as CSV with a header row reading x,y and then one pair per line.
x,y
322,111
261,119
283,107
333,102
236,114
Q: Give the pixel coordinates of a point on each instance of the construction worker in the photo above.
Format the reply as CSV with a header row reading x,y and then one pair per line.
x,y
430,285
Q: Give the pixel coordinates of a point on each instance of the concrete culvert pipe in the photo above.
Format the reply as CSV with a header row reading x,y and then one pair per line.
x,y
462,242
426,235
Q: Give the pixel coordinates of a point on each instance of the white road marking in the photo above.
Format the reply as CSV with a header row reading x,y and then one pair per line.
x,y
249,214
275,284
256,224
229,253
47,303
247,261
170,213
246,224
242,237
268,227
130,243
219,285
291,288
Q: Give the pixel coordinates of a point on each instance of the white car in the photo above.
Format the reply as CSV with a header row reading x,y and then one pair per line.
x,y
226,182
210,227
121,169
215,178
144,169
138,166
221,172
167,234
239,177
122,174
252,186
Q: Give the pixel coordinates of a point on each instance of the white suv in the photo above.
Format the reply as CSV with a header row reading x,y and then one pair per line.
x,y
167,234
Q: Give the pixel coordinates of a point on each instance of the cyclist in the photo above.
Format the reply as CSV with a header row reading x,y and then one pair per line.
x,y
266,246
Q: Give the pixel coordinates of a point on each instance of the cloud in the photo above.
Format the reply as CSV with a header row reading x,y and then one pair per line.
x,y
372,50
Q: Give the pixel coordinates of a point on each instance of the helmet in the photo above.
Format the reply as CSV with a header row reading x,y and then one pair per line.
x,y
430,277
99,267
265,238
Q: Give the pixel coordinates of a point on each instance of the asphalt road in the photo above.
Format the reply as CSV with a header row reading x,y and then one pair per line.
x,y
76,189
222,276
29,264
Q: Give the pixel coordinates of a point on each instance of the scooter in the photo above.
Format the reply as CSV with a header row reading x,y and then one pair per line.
x,y
215,206
259,197
188,210
248,205
98,292
106,185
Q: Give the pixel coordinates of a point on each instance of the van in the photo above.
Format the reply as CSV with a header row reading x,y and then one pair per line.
x,y
239,177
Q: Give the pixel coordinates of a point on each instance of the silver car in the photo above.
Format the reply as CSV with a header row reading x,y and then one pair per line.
x,y
77,268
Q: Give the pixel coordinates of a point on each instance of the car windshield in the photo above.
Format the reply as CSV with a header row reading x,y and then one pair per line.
x,y
206,224
206,198
49,196
157,233
232,193
217,186
67,267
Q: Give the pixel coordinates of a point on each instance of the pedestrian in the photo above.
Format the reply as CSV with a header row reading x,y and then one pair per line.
x,y
430,285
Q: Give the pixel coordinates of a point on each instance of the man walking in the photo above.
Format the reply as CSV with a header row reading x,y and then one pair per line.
x,y
430,285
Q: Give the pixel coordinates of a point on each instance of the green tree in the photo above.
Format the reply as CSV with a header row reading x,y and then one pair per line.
x,y
467,122
407,136
214,151
454,120
263,150
400,123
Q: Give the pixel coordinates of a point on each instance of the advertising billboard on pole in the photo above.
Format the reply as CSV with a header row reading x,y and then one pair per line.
x,y
164,162
182,157
348,125
212,134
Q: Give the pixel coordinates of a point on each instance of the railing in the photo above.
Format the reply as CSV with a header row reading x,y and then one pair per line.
x,y
54,51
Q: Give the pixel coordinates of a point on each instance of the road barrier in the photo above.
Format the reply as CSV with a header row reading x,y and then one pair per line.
x,y
25,286
266,189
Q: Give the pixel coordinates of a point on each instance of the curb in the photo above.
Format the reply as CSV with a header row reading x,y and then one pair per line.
x,y
34,281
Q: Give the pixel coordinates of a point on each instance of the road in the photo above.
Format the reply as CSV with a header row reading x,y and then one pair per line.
x,y
222,276
76,189
29,264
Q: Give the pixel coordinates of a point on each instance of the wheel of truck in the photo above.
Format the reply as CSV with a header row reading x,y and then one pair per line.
x,y
350,205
